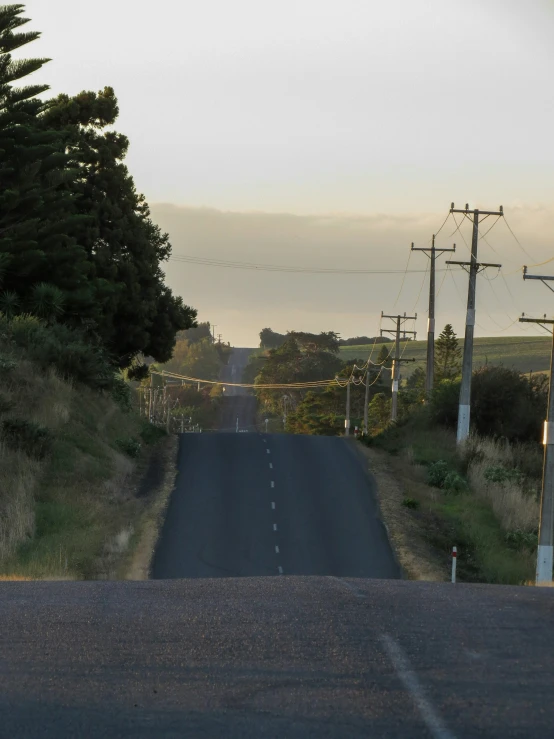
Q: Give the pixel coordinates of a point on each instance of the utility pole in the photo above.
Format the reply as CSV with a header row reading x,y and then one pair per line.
x,y
546,523
213,332
219,338
474,267
400,321
347,420
150,398
430,372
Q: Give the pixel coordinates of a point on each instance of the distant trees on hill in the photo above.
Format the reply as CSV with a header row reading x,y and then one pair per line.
x,y
270,339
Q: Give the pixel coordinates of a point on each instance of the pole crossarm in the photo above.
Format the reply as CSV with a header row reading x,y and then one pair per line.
x,y
543,278
542,321
402,318
467,211
427,249
479,265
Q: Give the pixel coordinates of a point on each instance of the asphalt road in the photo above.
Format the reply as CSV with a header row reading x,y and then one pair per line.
x,y
276,657
250,505
239,405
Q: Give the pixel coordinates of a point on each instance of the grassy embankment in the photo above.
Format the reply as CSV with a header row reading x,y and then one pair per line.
x,y
72,462
484,501
523,353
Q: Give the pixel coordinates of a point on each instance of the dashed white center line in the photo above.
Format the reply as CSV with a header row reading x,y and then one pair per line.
x,y
271,465
272,484
274,527
276,549
273,505
268,451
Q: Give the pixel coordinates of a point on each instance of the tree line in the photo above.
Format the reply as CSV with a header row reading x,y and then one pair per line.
x,y
78,246
505,402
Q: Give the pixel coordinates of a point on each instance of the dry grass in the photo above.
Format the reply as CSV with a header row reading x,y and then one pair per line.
x,y
18,479
73,514
515,502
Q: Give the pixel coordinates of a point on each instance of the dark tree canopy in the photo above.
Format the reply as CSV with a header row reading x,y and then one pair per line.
x,y
77,243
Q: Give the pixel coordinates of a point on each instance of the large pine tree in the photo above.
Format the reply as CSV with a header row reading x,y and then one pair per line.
x,y
448,355
70,216
36,208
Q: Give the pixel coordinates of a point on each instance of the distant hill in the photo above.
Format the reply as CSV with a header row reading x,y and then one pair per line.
x,y
524,353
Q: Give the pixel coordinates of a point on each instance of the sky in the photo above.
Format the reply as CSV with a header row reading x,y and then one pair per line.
x,y
327,133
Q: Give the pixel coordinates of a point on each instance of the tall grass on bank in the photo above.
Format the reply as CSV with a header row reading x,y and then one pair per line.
x,y
495,476
492,511
67,501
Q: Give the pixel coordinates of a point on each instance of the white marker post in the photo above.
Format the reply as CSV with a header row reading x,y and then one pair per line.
x,y
237,425
454,557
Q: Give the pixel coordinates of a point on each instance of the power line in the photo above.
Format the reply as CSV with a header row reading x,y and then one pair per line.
x,y
518,242
208,262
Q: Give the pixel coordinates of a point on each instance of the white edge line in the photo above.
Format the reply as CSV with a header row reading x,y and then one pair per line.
x,y
411,682
280,569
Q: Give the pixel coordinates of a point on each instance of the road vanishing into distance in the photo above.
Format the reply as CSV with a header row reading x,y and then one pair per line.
x,y
276,610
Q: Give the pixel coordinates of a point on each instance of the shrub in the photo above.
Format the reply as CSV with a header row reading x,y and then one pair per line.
x,y
138,372
505,403
74,355
502,474
519,539
410,503
6,403
443,406
7,364
454,483
437,472
150,434
32,438
121,393
131,447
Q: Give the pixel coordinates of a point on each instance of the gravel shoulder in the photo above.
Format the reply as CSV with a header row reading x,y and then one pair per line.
x,y
407,532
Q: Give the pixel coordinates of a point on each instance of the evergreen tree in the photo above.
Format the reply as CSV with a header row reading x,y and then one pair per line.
x,y
36,210
76,240
448,355
385,356
136,312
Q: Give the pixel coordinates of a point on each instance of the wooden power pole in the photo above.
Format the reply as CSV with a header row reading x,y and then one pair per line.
x,y
473,267
429,374
546,524
400,321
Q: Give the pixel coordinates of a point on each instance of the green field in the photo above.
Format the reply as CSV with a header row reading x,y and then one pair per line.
x,y
524,353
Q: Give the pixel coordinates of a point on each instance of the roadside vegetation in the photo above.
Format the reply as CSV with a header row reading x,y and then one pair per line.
x,y
190,404
82,304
